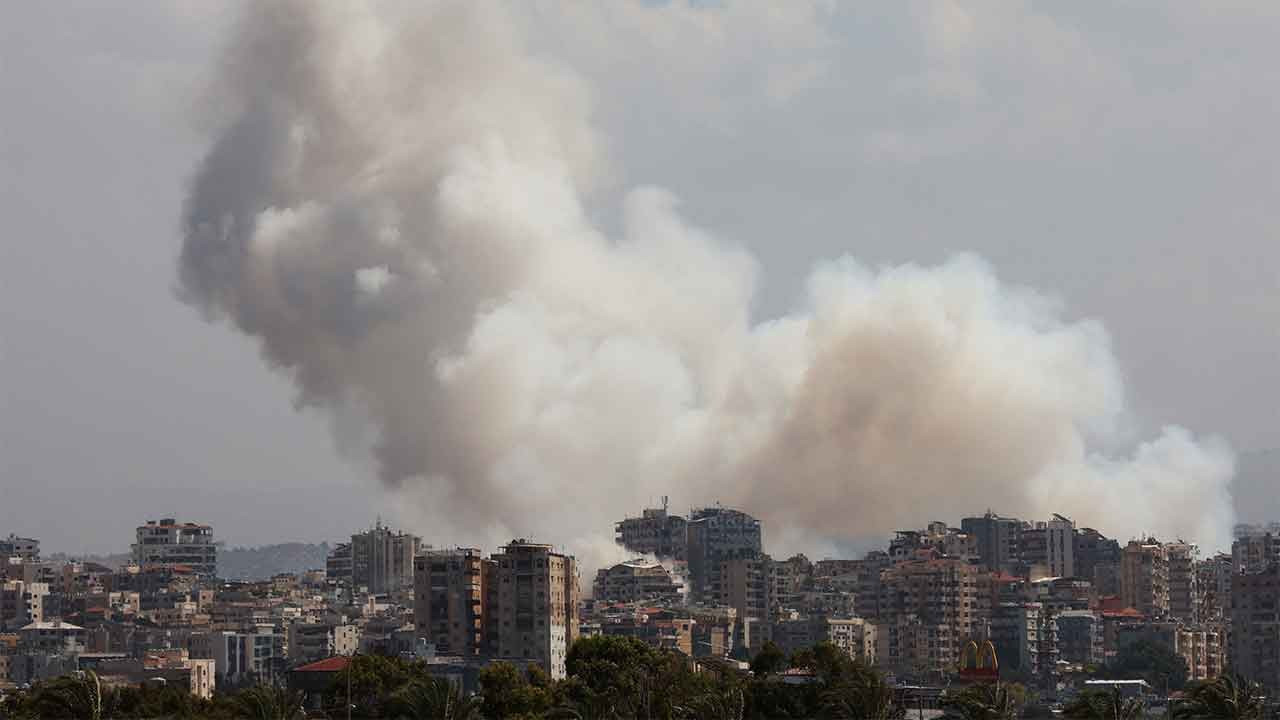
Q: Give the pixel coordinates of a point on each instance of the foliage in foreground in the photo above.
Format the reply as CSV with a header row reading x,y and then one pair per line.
x,y
608,677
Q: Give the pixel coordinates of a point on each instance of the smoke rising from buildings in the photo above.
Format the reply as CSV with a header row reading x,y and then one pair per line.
x,y
398,206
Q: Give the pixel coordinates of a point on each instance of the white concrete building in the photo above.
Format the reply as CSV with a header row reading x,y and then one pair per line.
x,y
168,543
1061,545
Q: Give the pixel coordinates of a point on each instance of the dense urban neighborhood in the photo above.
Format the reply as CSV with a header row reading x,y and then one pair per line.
x,y
1035,616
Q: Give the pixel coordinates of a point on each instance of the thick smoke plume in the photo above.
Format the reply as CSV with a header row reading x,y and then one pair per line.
x,y
395,208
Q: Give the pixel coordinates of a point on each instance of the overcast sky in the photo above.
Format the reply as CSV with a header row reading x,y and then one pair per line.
x,y
1123,160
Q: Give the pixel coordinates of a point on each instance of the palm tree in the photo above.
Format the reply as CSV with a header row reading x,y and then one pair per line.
x,y
80,695
432,699
985,701
863,695
1105,706
267,702
1227,697
726,704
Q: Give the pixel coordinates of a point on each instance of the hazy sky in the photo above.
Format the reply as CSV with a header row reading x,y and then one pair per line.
x,y
1122,160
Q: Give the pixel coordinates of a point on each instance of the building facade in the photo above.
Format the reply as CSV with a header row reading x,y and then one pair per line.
x,y
636,581
1255,626
655,532
1144,578
382,560
716,534
337,564
997,540
26,549
248,657
743,583
449,600
1060,532
168,543
945,594
1184,587
534,605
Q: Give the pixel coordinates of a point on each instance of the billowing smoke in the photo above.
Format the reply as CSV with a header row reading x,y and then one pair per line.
x,y
396,208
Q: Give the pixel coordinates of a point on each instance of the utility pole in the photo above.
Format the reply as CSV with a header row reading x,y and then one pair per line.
x,y
351,666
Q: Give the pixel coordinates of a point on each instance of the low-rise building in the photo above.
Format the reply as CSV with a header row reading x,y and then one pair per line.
x,y
248,657
636,581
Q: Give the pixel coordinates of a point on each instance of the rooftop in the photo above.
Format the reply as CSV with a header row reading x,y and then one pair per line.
x,y
337,663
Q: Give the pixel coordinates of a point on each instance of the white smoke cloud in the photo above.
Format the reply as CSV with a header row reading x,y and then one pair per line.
x,y
396,209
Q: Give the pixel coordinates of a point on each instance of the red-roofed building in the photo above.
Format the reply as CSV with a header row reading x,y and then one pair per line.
x,y
313,679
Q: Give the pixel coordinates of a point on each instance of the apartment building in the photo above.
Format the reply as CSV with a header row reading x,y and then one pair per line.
x,y
337,564
1201,647
533,604
1184,589
247,657
948,595
382,559
25,549
744,584
1144,578
1255,626
788,580
168,543
855,636
1213,579
655,532
1255,551
22,603
306,641
1080,637
866,583
636,581
1095,551
997,540
1060,534
1025,636
449,600
716,534
915,648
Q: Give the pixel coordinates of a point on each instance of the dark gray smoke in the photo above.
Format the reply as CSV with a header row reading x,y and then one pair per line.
x,y
394,208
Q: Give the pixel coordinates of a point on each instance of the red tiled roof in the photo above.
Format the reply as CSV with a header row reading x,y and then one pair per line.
x,y
337,663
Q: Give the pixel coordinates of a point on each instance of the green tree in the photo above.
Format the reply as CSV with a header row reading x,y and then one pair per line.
x,y
1104,705
983,701
373,678
859,691
80,695
769,660
723,703
1143,658
1228,697
505,693
268,702
431,699
617,676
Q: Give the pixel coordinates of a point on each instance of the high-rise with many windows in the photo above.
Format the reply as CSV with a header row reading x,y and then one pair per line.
x,y
449,600
533,604
382,560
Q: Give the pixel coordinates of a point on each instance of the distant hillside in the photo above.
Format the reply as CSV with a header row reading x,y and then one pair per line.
x,y
239,563
263,562
115,561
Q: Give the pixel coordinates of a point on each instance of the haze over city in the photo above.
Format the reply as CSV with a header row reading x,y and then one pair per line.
x,y
679,359
849,269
